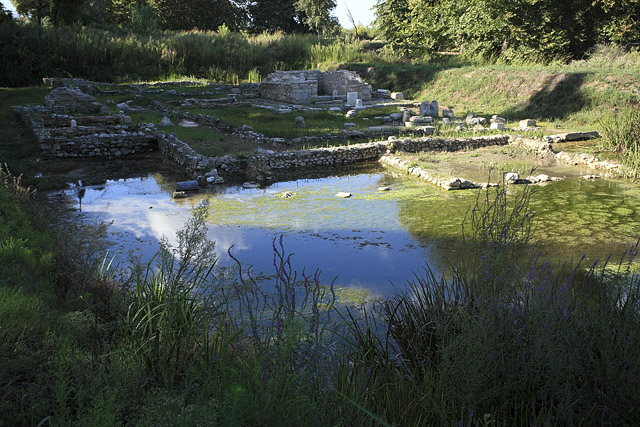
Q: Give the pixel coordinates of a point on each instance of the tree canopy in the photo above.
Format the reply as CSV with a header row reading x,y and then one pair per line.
x,y
289,16
528,29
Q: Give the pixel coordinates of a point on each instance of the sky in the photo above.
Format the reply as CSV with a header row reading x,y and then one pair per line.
x,y
360,9
8,5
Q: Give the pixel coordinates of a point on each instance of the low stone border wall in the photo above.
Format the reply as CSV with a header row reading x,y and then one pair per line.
x,y
446,144
445,183
196,164
545,149
369,151
609,167
261,164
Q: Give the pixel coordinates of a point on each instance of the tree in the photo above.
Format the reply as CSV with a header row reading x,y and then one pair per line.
x,y
318,15
277,15
34,9
393,21
5,15
65,12
200,14
540,30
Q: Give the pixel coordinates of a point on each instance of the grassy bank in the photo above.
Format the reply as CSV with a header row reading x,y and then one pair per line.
x,y
560,97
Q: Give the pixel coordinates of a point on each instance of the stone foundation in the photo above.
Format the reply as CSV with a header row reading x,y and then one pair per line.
x,y
303,87
545,149
63,135
331,156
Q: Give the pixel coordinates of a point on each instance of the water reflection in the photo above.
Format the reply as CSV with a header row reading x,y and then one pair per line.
x,y
375,240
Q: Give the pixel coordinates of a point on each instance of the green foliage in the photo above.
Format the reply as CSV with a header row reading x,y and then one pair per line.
x,y
65,12
198,14
107,56
318,15
144,19
37,10
276,15
621,134
511,349
392,17
515,31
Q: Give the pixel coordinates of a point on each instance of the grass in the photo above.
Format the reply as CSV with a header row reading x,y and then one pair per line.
x,y
565,95
15,146
273,124
149,95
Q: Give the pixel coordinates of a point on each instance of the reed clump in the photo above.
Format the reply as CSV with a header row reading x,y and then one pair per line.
x,y
621,134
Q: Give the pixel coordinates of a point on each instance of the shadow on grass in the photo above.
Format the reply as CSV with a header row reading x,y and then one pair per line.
x,y
409,79
559,98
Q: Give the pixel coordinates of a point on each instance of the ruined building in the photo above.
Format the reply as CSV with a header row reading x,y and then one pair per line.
x,y
302,87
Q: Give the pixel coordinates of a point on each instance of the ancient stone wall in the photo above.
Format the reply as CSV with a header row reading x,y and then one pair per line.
x,y
196,164
303,87
545,149
342,82
368,151
62,135
298,87
446,144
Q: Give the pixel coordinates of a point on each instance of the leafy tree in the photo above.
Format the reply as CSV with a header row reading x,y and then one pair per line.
x,y
200,14
393,20
524,29
34,9
65,12
318,15
277,15
5,15
624,25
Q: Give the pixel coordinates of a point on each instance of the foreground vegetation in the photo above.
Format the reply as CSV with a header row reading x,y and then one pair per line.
x,y
505,340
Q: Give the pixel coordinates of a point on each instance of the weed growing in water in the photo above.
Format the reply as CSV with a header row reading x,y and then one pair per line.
x,y
621,134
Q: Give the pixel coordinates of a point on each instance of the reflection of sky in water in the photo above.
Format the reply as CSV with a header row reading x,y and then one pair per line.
x,y
370,240
358,239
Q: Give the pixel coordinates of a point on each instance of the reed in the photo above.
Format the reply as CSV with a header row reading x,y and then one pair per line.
x,y
621,134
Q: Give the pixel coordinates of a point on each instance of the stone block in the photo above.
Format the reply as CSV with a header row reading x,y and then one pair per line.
x,y
397,96
528,123
352,98
447,112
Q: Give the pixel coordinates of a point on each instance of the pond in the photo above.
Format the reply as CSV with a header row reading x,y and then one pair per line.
x,y
375,240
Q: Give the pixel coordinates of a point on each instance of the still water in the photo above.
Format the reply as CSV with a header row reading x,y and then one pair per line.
x,y
375,240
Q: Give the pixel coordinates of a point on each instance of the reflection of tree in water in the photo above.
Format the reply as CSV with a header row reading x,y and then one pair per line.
x,y
80,190
436,222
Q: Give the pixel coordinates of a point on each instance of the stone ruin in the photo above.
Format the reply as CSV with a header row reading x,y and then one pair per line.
x,y
70,100
303,87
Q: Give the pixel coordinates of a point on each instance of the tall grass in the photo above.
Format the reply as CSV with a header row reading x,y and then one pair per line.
x,y
621,134
103,55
